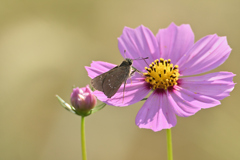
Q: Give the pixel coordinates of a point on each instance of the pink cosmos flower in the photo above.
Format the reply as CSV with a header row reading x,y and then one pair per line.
x,y
173,58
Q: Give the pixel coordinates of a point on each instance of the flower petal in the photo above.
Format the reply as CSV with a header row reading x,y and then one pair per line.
x,y
156,113
98,67
139,42
216,85
182,104
134,92
175,41
191,102
207,54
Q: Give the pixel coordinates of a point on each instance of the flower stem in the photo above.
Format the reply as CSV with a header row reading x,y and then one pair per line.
x,y
169,145
84,152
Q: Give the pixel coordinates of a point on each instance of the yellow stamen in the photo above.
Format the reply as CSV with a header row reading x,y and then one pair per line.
x,y
161,74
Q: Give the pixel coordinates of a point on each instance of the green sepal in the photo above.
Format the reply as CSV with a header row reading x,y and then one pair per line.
x,y
84,113
98,107
144,99
66,105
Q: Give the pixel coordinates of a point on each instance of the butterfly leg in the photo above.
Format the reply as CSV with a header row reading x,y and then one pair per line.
x,y
134,70
124,90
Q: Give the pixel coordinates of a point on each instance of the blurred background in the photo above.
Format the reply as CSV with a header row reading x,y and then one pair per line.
x,y
44,46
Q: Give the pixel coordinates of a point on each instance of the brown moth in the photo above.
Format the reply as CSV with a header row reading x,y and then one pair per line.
x,y
110,81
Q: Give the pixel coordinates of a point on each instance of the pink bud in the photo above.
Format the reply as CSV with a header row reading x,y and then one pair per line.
x,y
83,100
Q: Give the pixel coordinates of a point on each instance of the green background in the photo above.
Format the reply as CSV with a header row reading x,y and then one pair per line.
x,y
44,46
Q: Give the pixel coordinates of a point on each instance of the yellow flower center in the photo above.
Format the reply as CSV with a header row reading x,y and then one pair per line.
x,y
161,74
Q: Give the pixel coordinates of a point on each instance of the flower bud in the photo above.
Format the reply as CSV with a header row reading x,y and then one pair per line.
x,y
83,100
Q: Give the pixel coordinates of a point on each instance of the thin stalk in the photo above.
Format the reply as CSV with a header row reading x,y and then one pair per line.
x,y
84,152
169,145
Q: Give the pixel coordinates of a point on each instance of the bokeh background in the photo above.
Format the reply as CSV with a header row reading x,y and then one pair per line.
x,y
44,46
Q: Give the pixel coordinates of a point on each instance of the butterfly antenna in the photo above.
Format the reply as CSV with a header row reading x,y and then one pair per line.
x,y
141,58
145,61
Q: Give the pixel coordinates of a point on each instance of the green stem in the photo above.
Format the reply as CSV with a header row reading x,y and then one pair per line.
x,y
84,152
169,145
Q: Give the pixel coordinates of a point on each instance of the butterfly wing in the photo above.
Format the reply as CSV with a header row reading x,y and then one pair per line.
x,y
114,79
97,82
